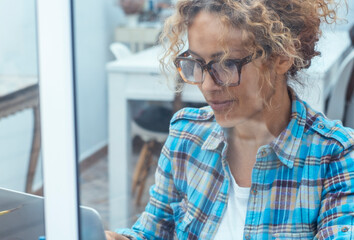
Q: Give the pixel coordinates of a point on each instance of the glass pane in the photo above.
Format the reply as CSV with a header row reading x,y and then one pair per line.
x,y
111,120
124,104
21,215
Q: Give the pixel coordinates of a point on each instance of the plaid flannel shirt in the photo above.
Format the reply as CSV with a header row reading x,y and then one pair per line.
x,y
302,182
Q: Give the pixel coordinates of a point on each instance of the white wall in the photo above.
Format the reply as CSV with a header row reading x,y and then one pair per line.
x,y
18,53
94,29
347,15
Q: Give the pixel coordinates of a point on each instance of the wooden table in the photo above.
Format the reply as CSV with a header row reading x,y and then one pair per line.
x,y
17,94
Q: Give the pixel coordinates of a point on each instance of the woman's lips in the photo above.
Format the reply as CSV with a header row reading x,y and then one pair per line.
x,y
220,105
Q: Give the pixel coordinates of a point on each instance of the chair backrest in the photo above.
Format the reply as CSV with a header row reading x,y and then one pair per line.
x,y
138,38
337,99
119,50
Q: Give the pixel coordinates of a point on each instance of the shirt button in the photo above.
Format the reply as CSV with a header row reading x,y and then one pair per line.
x,y
254,191
248,237
263,153
345,229
321,126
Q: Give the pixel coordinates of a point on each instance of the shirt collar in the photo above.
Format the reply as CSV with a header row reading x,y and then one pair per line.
x,y
215,138
287,144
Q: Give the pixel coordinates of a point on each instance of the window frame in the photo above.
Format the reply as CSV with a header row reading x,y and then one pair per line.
x,y
57,106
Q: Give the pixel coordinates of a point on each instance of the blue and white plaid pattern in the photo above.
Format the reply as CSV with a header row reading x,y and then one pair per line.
x,y
302,183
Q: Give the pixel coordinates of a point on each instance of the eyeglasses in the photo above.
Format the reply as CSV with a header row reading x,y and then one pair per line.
x,y
225,73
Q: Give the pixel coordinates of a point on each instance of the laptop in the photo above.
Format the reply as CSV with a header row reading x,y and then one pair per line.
x,y
22,218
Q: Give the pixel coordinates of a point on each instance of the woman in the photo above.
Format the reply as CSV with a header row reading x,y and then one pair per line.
x,y
259,163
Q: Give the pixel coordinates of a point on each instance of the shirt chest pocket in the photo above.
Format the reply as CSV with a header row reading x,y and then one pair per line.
x,y
182,216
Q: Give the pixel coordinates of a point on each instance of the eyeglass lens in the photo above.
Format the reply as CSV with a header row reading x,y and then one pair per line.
x,y
222,73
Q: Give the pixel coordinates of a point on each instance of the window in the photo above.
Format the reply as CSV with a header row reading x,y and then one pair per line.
x,y
20,140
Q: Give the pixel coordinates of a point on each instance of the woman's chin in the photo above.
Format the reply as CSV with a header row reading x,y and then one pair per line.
x,y
230,121
224,122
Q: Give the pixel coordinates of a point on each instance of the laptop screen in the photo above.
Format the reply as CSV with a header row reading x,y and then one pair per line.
x,y
22,218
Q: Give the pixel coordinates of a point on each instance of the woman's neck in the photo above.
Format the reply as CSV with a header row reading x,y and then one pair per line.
x,y
267,124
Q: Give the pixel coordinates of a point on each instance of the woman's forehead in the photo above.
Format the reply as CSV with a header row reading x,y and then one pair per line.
x,y
211,23
209,36
209,29
215,55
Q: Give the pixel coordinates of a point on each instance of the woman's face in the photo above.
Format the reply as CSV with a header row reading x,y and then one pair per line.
x,y
231,105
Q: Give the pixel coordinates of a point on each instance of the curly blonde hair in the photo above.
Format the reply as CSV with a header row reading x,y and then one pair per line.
x,y
288,28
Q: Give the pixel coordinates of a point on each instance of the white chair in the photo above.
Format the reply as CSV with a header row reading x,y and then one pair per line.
x,y
119,50
336,101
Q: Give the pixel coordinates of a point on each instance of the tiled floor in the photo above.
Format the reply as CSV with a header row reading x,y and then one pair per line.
x,y
94,189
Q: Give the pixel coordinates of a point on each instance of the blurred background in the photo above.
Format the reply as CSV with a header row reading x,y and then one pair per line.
x,y
123,102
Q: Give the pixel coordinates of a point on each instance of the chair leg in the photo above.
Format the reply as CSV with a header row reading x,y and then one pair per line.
x,y
36,144
145,173
139,166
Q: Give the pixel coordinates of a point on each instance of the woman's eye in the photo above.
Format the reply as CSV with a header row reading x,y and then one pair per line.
x,y
199,60
229,64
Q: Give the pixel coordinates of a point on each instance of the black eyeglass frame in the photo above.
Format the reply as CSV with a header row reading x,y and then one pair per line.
x,y
207,67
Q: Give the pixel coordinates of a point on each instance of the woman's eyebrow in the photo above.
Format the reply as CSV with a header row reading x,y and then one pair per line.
x,y
214,55
219,54
194,53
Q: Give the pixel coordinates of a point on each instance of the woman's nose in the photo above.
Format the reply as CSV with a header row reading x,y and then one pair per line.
x,y
208,82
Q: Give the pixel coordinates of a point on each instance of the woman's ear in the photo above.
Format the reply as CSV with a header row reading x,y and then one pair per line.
x,y
283,64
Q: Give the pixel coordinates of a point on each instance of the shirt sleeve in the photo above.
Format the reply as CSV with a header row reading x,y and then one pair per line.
x,y
157,222
336,216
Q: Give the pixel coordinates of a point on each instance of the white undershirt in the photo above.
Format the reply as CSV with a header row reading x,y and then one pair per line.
x,y
233,221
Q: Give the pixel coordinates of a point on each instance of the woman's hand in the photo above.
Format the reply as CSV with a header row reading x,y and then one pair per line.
x,y
114,236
